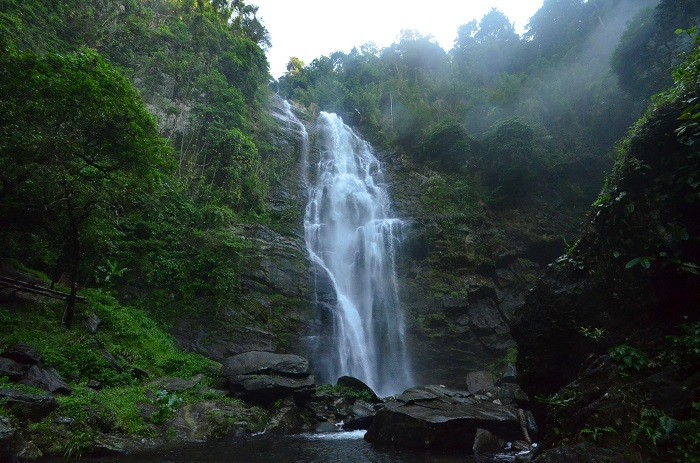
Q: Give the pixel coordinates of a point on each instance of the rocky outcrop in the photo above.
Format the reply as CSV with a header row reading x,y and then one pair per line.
x,y
264,377
22,364
25,406
461,279
605,338
274,304
440,418
357,385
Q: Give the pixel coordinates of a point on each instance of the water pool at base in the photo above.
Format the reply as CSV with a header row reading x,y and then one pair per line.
x,y
345,447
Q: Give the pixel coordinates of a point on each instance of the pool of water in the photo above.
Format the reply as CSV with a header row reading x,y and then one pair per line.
x,y
345,447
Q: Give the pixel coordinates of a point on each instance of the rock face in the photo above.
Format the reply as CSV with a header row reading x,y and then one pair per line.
x,y
274,306
441,418
264,377
599,332
461,280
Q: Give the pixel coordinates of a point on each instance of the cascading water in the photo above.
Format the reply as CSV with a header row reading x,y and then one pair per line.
x,y
351,238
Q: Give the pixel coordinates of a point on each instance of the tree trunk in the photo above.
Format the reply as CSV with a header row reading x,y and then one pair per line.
x,y
74,258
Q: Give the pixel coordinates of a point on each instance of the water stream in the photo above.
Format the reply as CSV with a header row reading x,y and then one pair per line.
x,y
352,239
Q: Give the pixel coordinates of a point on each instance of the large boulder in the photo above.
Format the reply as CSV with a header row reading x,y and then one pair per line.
x,y
45,378
23,354
357,385
264,377
33,407
441,418
12,369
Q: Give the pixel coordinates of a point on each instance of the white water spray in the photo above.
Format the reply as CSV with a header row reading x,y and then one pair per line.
x,y
352,238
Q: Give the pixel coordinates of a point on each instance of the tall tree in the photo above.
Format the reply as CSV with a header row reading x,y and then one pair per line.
x,y
78,146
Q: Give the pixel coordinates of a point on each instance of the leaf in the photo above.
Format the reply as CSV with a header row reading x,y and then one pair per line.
x,y
646,263
633,262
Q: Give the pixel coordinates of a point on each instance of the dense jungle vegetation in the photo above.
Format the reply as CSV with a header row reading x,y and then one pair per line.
x,y
135,138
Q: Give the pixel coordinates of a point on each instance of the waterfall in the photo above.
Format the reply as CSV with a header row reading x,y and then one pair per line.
x,y
352,240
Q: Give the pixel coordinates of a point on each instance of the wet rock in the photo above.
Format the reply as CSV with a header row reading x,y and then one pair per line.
x,y
358,386
326,427
33,407
64,421
95,385
45,378
12,369
478,380
362,414
92,324
177,384
286,418
264,377
487,442
437,417
509,375
10,440
23,354
29,452
507,394
200,421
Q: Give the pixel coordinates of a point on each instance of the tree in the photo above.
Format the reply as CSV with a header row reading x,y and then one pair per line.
x,y
649,48
77,146
489,48
294,66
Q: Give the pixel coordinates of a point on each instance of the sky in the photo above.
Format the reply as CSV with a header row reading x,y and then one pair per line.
x,y
308,29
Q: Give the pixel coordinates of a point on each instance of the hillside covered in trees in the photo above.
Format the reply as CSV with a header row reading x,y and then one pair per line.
x,y
151,211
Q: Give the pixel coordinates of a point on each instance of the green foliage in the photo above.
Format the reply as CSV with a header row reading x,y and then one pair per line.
x,y
680,438
597,433
655,426
563,398
629,359
452,198
684,348
595,334
448,146
67,174
649,48
167,403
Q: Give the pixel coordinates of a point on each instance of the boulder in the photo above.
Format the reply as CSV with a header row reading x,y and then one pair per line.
x,y
93,323
33,407
12,369
45,378
487,442
478,380
361,416
29,452
358,386
264,377
441,418
171,384
23,354
286,418
10,440
325,427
